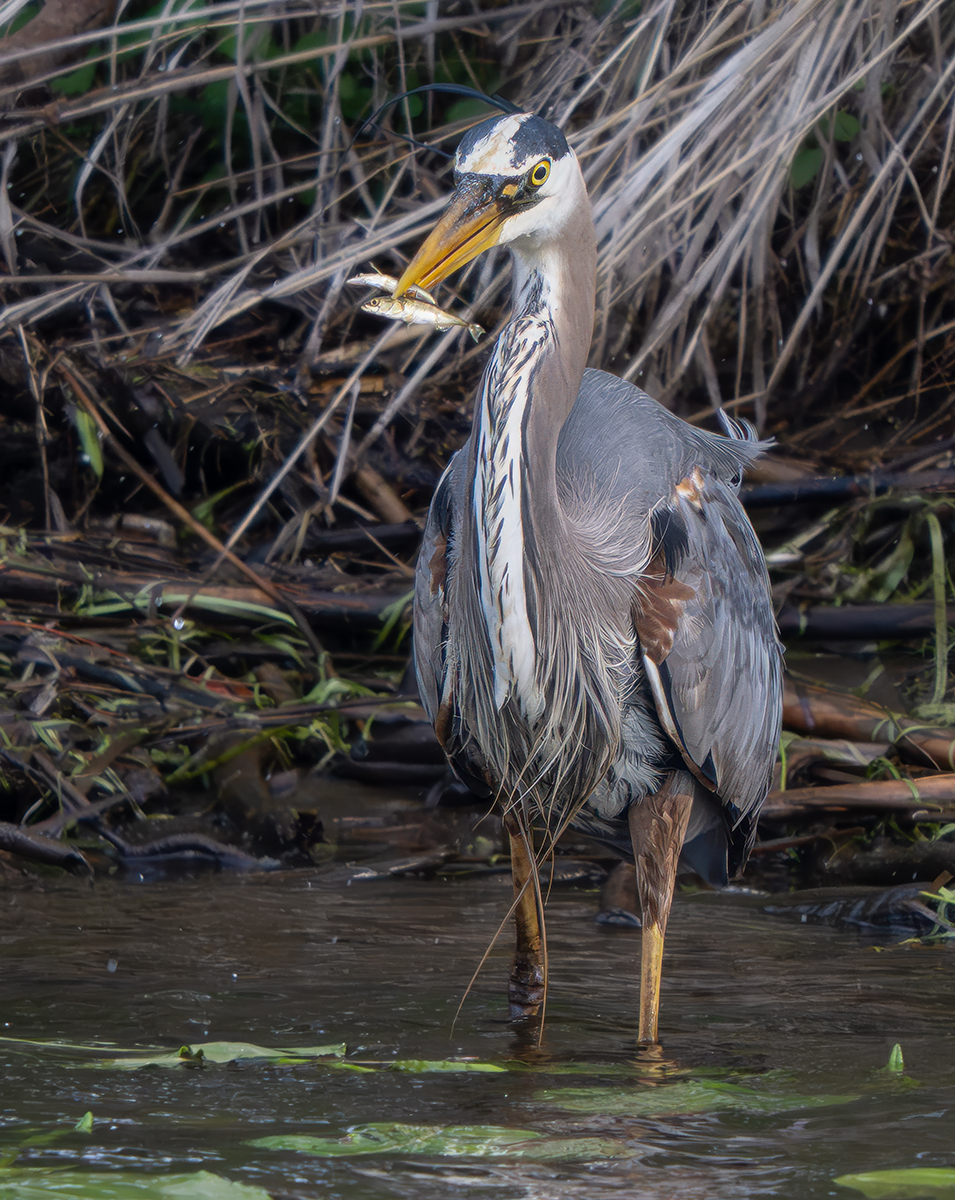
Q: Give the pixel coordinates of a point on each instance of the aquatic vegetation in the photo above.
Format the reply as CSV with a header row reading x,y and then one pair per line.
x,y
448,1141
689,1096
42,1183
906,1183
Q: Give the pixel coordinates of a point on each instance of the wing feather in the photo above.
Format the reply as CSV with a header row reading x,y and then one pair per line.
x,y
721,680
430,602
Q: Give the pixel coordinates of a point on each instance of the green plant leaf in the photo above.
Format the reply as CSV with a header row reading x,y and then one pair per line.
x,y
27,1183
219,1052
213,1052
328,689
896,1062
77,82
691,1096
23,17
89,439
846,127
806,166
447,1141
466,110
390,617
906,1183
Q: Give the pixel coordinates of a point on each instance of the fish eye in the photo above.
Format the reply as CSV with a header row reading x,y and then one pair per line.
x,y
538,176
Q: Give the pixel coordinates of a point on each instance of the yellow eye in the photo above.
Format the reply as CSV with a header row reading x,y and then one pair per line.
x,y
539,175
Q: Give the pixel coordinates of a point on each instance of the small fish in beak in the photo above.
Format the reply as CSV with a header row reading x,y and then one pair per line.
x,y
388,283
418,312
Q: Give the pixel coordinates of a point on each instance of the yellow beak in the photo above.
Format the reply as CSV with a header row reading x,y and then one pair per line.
x,y
470,225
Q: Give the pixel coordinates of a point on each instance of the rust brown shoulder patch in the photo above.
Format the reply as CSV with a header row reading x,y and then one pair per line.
x,y
659,607
690,489
438,564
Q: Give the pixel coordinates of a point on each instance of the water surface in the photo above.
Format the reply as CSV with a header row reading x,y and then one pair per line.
x,y
304,958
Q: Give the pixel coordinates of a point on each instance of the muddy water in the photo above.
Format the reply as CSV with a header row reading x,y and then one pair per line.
x,y
308,957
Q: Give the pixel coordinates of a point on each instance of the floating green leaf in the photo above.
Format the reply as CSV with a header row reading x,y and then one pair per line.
x,y
42,1184
447,1141
212,1052
691,1096
219,1052
424,1066
906,1183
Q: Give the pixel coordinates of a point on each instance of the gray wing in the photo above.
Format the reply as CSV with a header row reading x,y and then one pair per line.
x,y
431,618
430,601
717,683
703,616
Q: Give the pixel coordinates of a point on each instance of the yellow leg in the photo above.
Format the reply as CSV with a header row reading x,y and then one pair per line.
x,y
657,826
528,980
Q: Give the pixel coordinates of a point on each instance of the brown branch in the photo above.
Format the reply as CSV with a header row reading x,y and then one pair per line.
x,y
808,708
876,795
34,847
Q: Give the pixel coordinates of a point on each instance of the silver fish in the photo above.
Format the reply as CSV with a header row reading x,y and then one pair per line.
x,y
388,283
418,312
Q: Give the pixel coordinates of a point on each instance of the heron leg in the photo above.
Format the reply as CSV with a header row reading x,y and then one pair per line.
x,y
657,826
528,979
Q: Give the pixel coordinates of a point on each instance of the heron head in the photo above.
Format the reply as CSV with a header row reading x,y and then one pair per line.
x,y
515,178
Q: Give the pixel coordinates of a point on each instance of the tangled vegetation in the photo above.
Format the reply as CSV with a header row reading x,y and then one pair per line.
x,y
214,465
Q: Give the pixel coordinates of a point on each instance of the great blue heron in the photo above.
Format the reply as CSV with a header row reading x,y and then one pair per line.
x,y
593,633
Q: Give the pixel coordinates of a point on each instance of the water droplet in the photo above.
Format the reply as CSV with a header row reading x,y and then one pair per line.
x,y
112,965
858,158
179,623
870,301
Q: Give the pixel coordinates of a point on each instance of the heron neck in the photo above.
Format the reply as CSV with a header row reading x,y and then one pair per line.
x,y
555,283
528,389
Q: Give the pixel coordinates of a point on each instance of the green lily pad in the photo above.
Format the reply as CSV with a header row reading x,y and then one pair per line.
x,y
447,1141
40,1184
906,1183
691,1096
